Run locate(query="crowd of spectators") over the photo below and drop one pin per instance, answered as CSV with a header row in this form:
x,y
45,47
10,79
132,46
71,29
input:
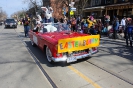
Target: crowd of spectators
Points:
x,y
90,25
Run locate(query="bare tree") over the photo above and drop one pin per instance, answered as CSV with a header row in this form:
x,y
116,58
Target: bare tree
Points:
x,y
57,6
3,15
18,15
80,5
33,4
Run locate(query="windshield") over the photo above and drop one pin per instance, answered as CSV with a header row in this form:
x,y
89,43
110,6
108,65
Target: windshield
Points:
x,y
10,20
52,27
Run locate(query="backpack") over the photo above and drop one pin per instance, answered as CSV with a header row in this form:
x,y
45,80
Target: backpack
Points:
x,y
85,25
105,30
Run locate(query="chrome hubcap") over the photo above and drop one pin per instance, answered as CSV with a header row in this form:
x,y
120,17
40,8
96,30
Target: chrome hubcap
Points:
x,y
48,54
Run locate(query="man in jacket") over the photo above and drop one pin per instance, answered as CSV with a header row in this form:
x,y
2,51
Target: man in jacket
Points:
x,y
115,27
26,23
123,23
129,34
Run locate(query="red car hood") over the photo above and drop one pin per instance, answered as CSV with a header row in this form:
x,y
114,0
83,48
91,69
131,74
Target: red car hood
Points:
x,y
53,37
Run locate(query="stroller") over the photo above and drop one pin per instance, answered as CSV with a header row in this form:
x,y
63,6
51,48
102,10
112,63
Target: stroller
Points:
x,y
119,32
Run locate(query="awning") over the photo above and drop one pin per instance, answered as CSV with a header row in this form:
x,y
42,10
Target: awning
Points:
x,y
119,6
98,8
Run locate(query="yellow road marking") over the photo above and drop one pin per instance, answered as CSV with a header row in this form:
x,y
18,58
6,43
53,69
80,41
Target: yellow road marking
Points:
x,y
84,77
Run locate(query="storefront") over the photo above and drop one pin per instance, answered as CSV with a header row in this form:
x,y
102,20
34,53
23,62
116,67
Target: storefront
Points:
x,y
97,12
119,10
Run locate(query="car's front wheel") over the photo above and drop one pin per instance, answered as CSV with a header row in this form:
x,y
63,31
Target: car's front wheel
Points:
x,y
49,55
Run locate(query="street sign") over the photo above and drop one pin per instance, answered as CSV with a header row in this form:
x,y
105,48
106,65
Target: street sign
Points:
x,y
73,9
64,11
71,13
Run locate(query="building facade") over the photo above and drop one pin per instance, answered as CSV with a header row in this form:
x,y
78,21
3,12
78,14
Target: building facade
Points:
x,y
46,2
114,8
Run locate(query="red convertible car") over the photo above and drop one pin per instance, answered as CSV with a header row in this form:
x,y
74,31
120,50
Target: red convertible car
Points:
x,y
62,45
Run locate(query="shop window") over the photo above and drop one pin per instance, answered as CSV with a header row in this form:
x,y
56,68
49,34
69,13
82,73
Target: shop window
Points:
x,y
120,1
96,2
108,1
124,13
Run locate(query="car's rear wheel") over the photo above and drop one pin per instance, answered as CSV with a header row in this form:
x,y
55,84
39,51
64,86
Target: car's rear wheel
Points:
x,y
49,55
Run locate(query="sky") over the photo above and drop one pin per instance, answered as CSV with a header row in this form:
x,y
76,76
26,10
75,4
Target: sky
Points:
x,y
11,6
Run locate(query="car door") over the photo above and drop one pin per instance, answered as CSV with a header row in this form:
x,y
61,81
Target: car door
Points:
x,y
40,40
34,37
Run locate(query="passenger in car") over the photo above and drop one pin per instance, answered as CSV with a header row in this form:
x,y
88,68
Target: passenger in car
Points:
x,y
38,24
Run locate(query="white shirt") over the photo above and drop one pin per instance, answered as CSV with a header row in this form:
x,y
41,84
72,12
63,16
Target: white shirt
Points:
x,y
123,22
39,17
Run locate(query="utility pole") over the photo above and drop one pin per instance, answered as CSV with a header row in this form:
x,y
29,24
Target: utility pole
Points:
x,y
71,8
68,9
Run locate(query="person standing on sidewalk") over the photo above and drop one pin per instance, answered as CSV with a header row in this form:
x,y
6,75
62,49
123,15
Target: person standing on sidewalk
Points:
x,y
26,23
74,24
123,24
99,23
129,34
115,27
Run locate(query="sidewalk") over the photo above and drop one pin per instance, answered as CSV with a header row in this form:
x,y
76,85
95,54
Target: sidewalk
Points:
x,y
119,35
17,68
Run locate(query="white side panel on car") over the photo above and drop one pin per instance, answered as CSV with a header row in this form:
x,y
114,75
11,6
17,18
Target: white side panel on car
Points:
x,y
35,40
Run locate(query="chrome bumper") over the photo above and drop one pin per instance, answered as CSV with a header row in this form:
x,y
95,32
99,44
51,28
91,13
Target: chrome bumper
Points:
x,y
64,58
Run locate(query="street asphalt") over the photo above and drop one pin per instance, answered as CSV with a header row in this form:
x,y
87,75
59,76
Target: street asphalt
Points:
x,y
17,67
111,67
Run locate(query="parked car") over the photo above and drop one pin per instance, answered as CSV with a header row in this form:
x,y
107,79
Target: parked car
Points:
x,y
11,23
0,23
62,45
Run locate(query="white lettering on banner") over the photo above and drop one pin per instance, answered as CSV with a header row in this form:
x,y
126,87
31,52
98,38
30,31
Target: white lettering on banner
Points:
x,y
35,40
